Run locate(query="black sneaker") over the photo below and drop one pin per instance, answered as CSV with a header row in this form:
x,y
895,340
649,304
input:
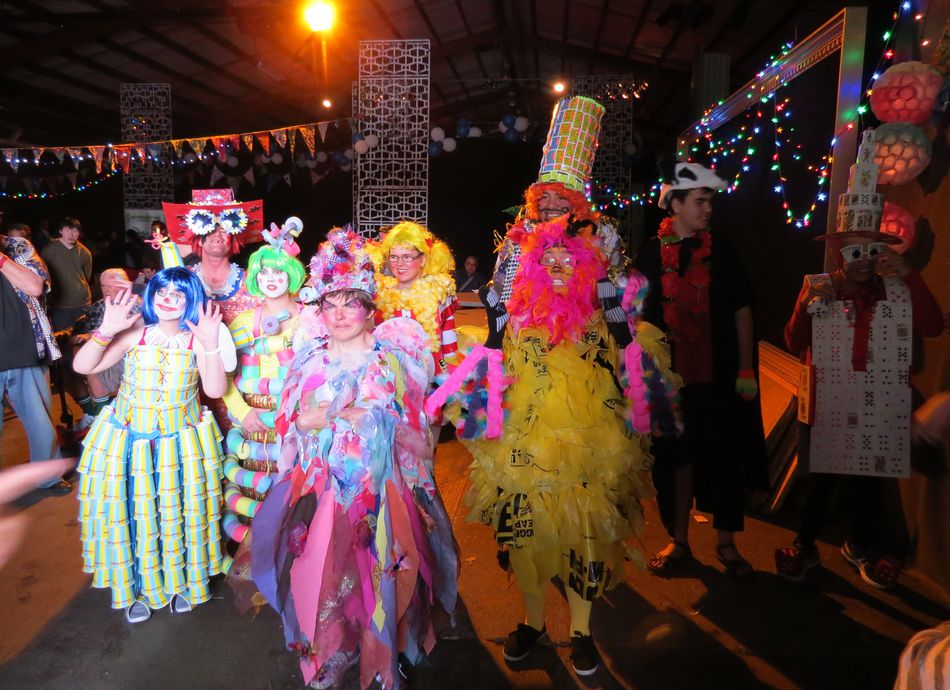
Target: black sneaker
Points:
x,y
584,657
521,641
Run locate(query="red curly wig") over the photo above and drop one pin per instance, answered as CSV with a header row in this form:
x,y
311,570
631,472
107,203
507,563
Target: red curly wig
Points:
x,y
580,206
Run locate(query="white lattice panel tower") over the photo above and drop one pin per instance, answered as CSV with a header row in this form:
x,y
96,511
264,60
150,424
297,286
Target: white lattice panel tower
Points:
x,y
616,129
391,100
146,111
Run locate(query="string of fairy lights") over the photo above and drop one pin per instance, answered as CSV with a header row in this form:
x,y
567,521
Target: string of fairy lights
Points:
x,y
746,143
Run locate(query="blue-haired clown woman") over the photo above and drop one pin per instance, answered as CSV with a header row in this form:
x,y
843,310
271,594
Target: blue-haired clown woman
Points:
x,y
150,486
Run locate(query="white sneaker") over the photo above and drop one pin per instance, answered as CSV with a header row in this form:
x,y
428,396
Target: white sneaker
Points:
x,y
84,423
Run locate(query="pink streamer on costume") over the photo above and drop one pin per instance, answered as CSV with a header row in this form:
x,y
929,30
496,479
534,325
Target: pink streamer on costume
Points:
x,y
632,303
306,576
456,380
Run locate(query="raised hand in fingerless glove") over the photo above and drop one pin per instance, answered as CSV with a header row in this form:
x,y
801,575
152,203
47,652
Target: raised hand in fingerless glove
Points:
x,y
497,316
614,314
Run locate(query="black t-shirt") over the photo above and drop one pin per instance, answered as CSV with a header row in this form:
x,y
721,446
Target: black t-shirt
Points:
x,y
17,345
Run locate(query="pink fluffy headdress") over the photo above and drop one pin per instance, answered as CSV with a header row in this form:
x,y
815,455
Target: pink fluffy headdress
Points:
x,y
534,303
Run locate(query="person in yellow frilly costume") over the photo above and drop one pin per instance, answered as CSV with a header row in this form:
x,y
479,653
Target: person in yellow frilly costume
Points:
x,y
562,483
420,284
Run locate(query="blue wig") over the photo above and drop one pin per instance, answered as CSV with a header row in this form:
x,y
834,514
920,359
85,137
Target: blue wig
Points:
x,y
182,280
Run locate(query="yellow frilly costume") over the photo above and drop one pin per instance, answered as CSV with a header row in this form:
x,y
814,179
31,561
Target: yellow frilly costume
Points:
x,y
562,486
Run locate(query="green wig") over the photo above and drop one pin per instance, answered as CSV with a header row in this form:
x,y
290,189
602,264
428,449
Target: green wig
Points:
x,y
274,259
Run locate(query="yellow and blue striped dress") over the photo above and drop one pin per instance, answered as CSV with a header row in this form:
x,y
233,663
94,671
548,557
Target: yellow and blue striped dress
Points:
x,y
150,484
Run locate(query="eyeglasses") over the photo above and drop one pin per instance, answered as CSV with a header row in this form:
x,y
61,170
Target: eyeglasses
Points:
x,y
563,261
403,258
856,252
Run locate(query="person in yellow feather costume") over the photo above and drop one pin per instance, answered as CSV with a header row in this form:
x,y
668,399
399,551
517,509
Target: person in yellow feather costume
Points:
x,y
562,484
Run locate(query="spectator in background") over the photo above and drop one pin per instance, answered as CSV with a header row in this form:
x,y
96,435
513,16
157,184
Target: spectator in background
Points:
x,y
26,347
103,385
17,230
148,270
134,249
469,279
70,268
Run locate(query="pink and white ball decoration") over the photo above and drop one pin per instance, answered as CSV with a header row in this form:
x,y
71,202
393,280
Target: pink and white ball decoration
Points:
x,y
906,92
897,221
903,151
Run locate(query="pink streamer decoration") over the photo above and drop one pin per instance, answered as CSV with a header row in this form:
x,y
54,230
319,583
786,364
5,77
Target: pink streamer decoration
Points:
x,y
456,380
632,303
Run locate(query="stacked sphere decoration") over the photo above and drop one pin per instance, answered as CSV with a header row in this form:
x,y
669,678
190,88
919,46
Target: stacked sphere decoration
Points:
x,y
906,92
361,146
372,141
898,221
449,144
903,151
435,148
511,135
463,128
474,132
521,124
437,134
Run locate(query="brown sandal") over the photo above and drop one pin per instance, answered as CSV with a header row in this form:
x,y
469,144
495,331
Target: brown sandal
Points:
x,y
664,564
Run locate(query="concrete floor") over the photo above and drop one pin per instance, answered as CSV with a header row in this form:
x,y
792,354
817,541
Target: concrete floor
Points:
x,y
699,630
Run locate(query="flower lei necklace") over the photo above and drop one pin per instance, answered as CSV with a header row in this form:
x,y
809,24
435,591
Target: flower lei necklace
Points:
x,y
682,318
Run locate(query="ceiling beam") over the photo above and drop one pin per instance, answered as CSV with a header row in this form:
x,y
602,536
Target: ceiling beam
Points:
x,y
639,26
486,40
468,32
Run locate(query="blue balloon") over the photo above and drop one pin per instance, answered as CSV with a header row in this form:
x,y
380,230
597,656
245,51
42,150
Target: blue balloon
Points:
x,y
435,148
508,120
357,136
463,127
511,136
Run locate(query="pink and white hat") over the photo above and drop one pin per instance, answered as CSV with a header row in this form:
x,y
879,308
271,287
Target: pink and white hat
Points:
x,y
341,263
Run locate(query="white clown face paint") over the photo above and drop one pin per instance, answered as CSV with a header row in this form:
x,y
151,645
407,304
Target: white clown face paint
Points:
x,y
169,303
272,282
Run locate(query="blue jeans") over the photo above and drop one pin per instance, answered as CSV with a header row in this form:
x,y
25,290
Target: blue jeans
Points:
x,y
28,392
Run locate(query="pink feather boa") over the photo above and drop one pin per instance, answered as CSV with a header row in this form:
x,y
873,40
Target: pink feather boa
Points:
x,y
534,303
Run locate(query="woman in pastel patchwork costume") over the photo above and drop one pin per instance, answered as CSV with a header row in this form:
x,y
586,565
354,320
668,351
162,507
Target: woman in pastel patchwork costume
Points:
x,y
353,547
150,486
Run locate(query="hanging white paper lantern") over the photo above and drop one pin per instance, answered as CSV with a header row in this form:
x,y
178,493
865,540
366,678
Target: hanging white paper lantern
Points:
x,y
437,134
448,144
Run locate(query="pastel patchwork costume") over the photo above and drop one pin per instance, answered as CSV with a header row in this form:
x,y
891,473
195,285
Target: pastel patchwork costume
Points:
x,y
353,547
150,486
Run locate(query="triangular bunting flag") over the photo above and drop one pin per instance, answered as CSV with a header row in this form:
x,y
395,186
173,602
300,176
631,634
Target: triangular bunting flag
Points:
x,y
97,152
292,140
37,154
235,142
75,154
322,129
248,140
140,150
60,153
280,136
307,134
198,145
249,175
216,175
178,145
286,177
123,156
264,139
72,179
12,158
316,177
